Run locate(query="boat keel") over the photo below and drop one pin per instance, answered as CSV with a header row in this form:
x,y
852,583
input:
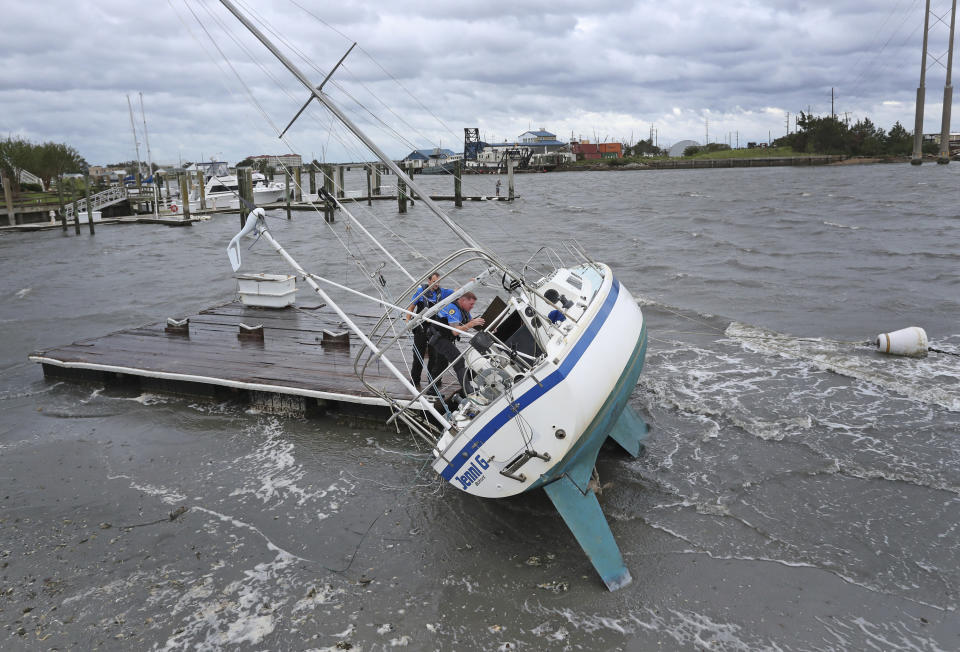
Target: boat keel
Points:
x,y
582,514
629,431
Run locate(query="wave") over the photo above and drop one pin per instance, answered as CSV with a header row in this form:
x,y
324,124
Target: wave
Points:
x,y
842,226
908,377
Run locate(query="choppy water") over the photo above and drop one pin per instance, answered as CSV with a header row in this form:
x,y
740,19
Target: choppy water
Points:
x,y
799,491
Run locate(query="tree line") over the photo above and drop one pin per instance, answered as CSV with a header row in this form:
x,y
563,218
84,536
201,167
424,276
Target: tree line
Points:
x,y
828,135
48,161
816,135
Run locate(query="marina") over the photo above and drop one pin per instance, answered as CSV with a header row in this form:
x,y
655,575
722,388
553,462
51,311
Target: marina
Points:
x,y
777,449
712,407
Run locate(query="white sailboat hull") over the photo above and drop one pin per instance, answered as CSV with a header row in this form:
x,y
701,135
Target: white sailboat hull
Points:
x,y
553,414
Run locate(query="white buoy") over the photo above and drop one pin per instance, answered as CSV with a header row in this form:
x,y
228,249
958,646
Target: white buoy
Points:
x,y
911,341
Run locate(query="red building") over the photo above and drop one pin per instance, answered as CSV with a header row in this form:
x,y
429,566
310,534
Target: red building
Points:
x,y
585,150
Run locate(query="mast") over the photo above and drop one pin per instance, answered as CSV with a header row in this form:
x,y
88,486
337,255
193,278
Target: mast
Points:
x,y
136,143
146,138
324,99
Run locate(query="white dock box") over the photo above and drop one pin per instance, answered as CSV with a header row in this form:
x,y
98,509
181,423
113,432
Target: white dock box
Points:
x,y
267,290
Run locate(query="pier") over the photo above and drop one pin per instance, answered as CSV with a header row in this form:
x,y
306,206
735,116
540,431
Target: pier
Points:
x,y
293,360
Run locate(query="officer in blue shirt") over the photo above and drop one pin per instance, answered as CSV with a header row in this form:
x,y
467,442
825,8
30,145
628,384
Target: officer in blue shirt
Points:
x,y
424,298
457,316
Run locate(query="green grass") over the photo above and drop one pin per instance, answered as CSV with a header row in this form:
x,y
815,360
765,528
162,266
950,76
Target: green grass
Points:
x,y
756,152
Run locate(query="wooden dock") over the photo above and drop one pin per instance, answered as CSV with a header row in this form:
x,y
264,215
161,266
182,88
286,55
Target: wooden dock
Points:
x,y
298,366
164,219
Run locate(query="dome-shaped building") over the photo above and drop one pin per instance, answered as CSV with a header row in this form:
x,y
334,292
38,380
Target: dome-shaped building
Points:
x,y
677,149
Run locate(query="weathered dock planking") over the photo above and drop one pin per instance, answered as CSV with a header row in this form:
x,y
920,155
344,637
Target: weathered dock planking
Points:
x,y
290,369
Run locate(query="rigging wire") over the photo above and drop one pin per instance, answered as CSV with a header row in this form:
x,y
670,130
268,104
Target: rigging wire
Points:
x,y
870,69
386,128
355,251
259,106
377,63
359,260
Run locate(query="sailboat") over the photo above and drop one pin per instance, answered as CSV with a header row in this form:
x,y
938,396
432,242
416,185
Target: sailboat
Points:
x,y
547,380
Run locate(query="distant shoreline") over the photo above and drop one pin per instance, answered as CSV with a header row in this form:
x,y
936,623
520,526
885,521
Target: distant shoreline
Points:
x,y
712,163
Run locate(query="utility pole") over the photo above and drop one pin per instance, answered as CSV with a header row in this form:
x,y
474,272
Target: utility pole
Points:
x,y
833,114
921,90
707,137
944,157
788,120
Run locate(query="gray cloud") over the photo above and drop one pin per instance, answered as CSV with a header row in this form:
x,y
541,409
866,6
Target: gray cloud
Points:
x,y
617,68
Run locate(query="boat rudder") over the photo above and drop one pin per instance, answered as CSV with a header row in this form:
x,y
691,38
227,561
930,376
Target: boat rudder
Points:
x,y
630,431
582,514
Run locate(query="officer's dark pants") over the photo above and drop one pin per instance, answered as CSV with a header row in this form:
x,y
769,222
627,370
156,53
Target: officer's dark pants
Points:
x,y
420,338
446,351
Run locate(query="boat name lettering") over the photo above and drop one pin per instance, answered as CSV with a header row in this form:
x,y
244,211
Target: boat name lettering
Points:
x,y
473,475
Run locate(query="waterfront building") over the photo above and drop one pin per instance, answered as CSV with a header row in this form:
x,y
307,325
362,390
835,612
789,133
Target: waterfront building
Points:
x,y
585,150
531,149
279,162
420,159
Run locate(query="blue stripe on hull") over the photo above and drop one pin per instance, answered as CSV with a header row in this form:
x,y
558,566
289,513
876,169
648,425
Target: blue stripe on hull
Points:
x,y
548,383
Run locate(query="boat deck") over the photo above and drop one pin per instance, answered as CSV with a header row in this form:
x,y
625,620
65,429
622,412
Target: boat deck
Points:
x,y
298,366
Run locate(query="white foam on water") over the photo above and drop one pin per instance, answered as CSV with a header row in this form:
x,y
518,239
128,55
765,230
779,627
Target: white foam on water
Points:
x,y
454,581
246,610
151,399
686,628
715,385
94,394
324,594
852,632
842,226
273,474
168,496
910,377
20,393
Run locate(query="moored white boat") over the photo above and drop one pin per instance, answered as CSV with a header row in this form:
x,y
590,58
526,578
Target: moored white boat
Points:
x,y
223,191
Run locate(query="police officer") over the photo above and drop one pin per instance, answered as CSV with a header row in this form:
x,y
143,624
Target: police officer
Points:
x,y
425,297
457,316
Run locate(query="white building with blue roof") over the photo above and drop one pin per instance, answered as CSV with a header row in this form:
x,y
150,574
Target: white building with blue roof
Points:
x,y
431,157
531,149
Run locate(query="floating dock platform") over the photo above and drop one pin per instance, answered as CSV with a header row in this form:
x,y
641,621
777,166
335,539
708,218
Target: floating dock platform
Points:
x,y
294,360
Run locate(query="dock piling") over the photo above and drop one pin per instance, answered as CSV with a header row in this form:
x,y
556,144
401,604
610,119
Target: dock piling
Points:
x,y
203,190
76,213
8,198
184,195
63,210
369,185
458,184
401,195
328,184
86,195
245,186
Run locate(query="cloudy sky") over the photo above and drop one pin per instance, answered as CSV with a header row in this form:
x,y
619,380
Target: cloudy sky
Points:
x,y
424,70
